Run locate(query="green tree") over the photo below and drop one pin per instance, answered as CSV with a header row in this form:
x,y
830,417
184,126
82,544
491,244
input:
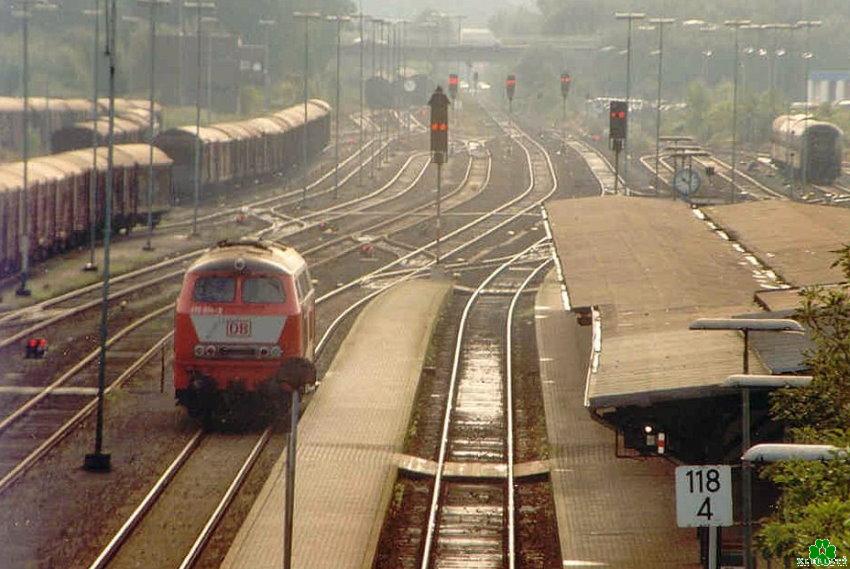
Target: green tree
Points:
x,y
815,501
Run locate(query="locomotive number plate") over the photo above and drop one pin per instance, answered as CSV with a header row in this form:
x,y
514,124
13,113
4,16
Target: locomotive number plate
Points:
x,y
238,328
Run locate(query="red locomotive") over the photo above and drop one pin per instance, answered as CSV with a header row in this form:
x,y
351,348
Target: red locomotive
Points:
x,y
244,331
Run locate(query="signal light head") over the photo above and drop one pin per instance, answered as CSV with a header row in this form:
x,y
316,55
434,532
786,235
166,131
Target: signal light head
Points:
x,y
35,348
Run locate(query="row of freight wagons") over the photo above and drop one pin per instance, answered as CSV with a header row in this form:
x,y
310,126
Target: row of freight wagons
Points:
x,y
59,213
50,116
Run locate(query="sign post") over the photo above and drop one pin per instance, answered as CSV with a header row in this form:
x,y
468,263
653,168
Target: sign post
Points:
x,y
704,499
439,104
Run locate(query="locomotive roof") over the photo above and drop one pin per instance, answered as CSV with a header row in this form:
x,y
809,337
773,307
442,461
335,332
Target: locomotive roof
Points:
x,y
259,256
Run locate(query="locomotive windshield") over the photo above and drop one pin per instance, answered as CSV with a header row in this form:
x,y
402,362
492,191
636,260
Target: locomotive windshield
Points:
x,y
214,289
262,290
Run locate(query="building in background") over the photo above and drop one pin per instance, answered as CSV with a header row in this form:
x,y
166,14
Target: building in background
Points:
x,y
828,87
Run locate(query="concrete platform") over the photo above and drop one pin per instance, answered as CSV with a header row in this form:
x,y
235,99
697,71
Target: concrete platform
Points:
x,y
349,437
651,267
611,512
796,239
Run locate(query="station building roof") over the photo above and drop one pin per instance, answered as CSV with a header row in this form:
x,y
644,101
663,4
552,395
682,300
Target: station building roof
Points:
x,y
795,239
651,267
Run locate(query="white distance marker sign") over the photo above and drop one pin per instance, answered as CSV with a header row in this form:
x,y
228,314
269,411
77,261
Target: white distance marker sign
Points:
x,y
704,496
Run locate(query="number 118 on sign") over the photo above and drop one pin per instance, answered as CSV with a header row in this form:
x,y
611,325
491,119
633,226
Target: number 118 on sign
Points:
x,y
704,495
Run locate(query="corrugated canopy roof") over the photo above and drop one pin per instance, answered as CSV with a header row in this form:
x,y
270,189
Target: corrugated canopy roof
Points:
x,y
652,267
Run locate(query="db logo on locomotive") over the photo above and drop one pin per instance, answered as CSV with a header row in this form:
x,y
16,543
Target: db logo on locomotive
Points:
x,y
238,328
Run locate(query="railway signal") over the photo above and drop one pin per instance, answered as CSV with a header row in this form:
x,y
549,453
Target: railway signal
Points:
x,y
617,131
453,83
510,89
566,83
439,104
35,348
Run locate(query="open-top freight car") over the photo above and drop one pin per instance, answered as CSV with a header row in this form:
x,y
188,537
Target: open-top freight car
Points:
x,y
251,150
58,212
49,115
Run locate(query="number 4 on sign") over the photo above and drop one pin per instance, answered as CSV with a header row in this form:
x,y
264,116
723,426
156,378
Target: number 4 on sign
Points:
x,y
704,495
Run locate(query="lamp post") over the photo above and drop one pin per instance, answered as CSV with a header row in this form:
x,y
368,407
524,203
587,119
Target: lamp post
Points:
x,y
736,25
630,17
660,22
378,66
98,461
746,325
385,73
340,20
24,12
460,19
95,14
199,7
267,26
807,56
153,5
373,35
209,73
404,76
306,16
361,17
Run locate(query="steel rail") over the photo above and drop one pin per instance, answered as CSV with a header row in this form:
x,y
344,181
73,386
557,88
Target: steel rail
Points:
x,y
431,526
76,368
403,215
522,195
509,379
224,503
30,459
226,500
67,427
85,306
127,276
108,553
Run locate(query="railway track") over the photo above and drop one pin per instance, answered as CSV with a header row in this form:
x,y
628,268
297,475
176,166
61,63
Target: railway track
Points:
x,y
472,522
23,322
517,208
42,415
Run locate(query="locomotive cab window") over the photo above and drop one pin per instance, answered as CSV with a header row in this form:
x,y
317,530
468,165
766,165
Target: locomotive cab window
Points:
x,y
262,290
214,289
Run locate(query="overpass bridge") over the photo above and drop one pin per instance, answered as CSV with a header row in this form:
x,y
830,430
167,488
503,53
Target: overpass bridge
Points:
x,y
502,50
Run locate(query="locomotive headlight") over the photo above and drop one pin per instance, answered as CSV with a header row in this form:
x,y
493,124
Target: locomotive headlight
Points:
x,y
275,352
209,351
199,351
264,352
